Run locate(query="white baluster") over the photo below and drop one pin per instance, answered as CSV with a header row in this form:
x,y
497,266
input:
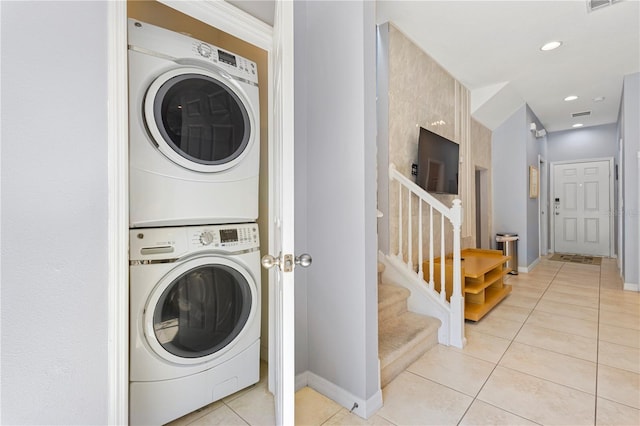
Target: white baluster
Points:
x,y
443,287
400,256
431,283
420,232
410,232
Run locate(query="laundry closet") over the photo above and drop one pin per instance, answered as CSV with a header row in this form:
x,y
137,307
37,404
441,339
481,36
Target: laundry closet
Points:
x,y
197,210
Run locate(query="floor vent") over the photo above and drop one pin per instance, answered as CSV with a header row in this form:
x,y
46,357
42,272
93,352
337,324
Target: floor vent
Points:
x,y
599,4
580,114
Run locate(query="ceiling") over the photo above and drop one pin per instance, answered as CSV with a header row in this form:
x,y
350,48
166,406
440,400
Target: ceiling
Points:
x,y
493,48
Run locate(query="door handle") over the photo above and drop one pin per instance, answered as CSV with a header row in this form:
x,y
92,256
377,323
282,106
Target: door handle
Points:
x,y
304,260
286,262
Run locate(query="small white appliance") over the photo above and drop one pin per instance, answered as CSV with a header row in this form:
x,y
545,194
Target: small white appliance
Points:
x,y
194,317
194,131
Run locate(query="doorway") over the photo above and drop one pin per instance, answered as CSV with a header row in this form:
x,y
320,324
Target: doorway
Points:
x,y
237,25
581,194
483,234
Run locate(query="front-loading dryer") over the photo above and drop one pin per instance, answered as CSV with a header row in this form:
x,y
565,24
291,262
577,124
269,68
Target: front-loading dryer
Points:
x,y
194,317
194,131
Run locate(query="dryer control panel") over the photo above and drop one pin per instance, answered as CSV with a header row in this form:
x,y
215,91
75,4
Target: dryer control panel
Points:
x,y
175,46
148,244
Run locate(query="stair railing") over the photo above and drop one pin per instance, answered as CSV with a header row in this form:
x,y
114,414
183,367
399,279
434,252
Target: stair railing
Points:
x,y
410,224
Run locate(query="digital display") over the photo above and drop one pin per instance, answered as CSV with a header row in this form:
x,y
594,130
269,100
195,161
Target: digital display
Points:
x,y
228,235
227,58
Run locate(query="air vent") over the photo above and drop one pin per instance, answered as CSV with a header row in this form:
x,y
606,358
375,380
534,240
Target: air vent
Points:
x,y
599,4
580,114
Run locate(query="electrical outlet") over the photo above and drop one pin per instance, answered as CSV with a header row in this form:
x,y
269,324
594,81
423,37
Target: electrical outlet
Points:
x,y
414,170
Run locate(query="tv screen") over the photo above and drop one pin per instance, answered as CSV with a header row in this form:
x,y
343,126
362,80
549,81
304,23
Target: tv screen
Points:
x,y
438,163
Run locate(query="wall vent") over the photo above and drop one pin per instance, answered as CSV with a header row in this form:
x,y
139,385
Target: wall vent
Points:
x,y
580,114
599,4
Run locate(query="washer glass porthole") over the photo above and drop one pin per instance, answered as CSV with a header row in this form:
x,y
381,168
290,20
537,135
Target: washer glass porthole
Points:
x,y
201,119
202,311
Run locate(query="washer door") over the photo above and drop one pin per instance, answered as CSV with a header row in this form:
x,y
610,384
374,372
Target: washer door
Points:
x,y
199,119
199,310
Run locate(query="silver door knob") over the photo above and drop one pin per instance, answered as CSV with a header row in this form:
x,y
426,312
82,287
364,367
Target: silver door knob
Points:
x,y
285,262
304,260
269,261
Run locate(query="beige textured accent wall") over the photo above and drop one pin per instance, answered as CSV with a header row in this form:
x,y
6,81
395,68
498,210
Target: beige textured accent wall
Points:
x,y
423,94
480,157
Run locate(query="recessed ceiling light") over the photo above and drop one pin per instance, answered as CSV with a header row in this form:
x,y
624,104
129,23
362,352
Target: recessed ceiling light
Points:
x,y
598,99
551,45
578,125
571,98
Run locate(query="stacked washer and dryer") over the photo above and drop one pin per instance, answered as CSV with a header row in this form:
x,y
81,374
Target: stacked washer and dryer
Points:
x,y
194,148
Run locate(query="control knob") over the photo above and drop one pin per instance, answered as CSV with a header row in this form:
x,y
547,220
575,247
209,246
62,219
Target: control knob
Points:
x,y
206,238
205,50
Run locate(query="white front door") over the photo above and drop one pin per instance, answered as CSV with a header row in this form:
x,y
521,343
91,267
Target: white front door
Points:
x,y
281,186
581,208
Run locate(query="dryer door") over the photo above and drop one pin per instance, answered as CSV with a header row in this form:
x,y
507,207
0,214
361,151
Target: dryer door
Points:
x,y
199,119
199,310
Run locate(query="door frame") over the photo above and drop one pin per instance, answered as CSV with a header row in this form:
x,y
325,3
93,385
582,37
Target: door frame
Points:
x,y
611,197
223,16
543,206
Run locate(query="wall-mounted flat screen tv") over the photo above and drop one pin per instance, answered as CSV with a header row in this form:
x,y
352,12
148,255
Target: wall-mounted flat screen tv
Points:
x,y
438,163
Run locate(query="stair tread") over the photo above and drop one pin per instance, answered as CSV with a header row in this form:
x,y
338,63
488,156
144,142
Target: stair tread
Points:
x,y
408,330
388,294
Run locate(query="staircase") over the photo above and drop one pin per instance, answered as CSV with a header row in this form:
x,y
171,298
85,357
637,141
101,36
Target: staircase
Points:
x,y
403,336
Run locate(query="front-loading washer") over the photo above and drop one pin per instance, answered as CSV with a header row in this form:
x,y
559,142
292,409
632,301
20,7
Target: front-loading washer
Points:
x,y
194,131
194,317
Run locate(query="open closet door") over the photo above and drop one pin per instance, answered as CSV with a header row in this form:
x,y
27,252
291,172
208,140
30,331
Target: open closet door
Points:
x,y
281,291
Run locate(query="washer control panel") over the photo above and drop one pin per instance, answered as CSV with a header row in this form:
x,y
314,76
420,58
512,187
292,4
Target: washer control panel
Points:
x,y
148,244
227,236
241,66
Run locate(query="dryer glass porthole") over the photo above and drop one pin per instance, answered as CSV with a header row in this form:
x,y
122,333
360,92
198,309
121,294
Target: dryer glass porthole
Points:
x,y
202,311
201,119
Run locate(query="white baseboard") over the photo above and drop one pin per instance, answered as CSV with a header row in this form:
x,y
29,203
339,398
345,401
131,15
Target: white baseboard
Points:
x,y
301,380
527,269
364,409
632,287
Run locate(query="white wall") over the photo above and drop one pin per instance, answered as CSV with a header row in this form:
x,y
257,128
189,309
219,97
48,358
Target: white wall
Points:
x,y
583,143
534,147
301,189
510,176
587,143
336,41
630,133
54,213
514,148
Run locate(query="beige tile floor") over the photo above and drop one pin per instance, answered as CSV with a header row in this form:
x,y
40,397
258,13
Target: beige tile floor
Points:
x,y
562,349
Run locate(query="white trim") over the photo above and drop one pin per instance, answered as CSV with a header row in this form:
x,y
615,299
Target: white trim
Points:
x,y
228,18
364,409
620,206
527,269
118,216
302,380
631,287
542,180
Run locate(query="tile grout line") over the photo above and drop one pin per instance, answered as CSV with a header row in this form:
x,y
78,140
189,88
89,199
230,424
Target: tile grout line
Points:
x,y
507,349
595,402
